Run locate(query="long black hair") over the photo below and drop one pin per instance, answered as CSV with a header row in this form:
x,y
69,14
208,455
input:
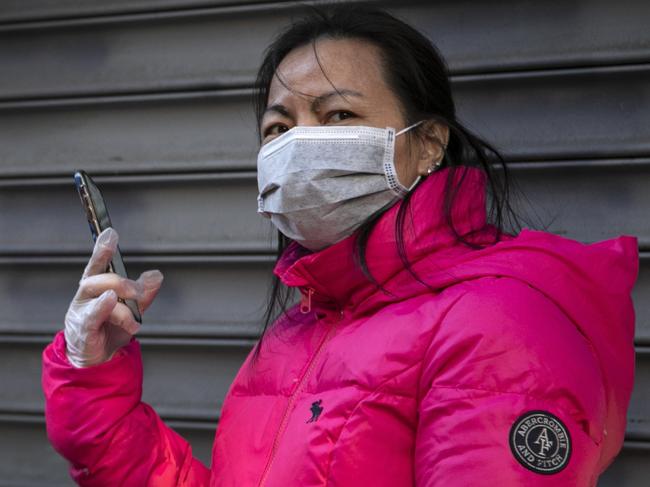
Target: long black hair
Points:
x,y
418,74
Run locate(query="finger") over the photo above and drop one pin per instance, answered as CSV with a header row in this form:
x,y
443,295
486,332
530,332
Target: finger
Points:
x,y
122,317
151,282
93,286
102,308
103,251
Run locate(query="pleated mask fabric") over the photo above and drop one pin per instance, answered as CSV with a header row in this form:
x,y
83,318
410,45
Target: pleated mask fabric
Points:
x,y
318,184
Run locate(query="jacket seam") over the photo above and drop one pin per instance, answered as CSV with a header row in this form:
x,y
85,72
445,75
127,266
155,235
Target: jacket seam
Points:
x,y
482,389
368,390
430,341
305,374
590,345
459,387
343,426
495,391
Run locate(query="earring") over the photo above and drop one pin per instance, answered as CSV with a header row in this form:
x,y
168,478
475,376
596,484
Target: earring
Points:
x,y
435,167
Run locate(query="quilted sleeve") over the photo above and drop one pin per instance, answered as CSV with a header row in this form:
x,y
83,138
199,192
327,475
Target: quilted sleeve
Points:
x,y
96,420
510,394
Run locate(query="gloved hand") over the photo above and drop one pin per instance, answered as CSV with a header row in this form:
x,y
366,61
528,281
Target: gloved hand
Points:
x,y
96,323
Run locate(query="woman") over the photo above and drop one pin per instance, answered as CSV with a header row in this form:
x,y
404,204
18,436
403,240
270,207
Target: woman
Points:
x,y
430,347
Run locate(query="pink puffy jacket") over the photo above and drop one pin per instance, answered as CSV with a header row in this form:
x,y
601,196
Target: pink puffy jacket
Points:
x,y
515,370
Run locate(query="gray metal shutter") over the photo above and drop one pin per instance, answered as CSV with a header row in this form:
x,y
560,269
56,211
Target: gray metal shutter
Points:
x,y
152,96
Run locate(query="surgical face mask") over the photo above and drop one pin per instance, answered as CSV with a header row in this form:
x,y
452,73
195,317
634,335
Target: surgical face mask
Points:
x,y
318,184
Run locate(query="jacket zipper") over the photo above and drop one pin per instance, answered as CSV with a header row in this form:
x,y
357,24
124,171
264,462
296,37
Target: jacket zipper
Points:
x,y
293,397
305,302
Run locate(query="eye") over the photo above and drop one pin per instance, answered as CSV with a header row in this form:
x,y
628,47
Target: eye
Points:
x,y
339,116
274,130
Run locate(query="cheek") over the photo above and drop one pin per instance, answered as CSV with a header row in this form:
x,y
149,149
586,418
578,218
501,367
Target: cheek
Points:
x,y
405,161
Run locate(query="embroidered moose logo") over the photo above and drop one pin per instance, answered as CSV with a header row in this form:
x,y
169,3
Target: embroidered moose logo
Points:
x,y
316,409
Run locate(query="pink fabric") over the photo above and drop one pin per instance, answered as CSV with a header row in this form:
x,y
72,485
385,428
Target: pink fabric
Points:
x,y
418,386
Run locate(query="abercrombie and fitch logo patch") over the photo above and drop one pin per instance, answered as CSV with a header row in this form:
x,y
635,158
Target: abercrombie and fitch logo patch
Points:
x,y
540,442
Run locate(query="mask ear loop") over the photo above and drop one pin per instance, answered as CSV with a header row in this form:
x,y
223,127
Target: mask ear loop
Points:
x,y
404,130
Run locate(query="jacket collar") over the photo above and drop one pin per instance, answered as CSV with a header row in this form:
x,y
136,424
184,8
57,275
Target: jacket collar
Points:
x,y
330,279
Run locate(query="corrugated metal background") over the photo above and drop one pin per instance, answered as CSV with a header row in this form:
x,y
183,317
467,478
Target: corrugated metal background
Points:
x,y
152,96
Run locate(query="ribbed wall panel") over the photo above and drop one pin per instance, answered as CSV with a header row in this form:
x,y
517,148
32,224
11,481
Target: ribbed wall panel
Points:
x,y
153,97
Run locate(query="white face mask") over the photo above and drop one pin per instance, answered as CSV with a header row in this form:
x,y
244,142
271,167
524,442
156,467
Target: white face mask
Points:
x,y
318,184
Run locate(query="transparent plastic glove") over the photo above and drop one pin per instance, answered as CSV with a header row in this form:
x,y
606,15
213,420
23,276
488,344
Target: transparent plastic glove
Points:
x,y
96,323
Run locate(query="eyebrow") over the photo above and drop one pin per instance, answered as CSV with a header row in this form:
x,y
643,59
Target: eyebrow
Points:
x,y
282,110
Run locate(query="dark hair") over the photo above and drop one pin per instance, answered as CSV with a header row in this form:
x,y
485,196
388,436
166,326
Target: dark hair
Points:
x,y
418,74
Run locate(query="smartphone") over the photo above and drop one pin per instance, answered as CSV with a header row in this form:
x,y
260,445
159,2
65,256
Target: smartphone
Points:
x,y
98,220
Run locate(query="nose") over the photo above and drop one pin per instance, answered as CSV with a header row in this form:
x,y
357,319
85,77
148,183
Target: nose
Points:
x,y
307,119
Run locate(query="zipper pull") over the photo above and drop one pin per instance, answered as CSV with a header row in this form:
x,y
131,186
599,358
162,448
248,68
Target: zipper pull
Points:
x,y
305,302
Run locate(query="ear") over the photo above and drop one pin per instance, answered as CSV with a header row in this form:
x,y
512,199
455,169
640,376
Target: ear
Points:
x,y
434,142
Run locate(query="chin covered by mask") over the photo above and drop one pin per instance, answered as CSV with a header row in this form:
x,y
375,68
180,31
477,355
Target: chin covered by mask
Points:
x,y
318,184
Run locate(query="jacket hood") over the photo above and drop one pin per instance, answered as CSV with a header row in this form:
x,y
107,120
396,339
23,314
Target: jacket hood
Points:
x,y
591,283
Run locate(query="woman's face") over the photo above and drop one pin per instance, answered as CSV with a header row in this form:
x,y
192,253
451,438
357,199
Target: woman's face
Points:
x,y
354,68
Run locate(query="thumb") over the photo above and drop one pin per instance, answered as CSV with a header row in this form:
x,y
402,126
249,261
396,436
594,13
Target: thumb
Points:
x,y
151,282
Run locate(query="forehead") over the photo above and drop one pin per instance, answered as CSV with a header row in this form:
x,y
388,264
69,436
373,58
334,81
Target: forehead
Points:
x,y
347,63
